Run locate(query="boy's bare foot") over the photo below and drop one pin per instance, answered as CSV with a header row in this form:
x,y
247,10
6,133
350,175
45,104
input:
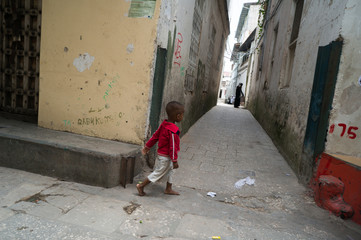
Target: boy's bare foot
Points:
x,y
140,190
171,192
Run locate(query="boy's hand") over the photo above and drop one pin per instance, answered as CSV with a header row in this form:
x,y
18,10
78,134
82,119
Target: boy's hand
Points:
x,y
145,151
175,165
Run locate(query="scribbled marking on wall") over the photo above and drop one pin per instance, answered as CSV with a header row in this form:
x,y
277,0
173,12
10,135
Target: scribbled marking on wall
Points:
x,y
110,86
90,121
182,71
83,62
91,110
99,120
67,123
177,52
351,130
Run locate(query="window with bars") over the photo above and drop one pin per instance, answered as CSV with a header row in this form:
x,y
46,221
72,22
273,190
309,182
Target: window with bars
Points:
x,y
194,48
285,78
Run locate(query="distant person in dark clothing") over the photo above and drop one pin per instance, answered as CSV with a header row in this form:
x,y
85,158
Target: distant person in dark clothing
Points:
x,y
239,94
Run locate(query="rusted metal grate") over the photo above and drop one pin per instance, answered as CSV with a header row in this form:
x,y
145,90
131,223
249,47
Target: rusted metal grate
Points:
x,y
20,24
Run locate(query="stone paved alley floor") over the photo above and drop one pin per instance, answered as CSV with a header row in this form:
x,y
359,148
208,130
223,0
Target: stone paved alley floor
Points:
x,y
224,146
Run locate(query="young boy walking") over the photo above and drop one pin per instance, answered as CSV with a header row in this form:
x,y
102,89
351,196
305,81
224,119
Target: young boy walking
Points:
x,y
167,136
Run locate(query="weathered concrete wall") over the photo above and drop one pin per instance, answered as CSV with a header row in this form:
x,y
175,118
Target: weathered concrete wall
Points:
x,y
193,83
253,64
281,106
242,78
346,113
96,68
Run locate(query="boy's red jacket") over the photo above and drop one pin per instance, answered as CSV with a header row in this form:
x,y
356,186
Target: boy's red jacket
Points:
x,y
167,136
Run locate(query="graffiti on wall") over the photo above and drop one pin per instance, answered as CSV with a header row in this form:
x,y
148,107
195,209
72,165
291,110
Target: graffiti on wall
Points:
x,y
91,110
95,120
110,86
351,130
177,52
91,121
99,120
182,71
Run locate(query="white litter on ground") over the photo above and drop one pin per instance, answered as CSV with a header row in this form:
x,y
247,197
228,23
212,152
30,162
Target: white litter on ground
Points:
x,y
211,194
244,181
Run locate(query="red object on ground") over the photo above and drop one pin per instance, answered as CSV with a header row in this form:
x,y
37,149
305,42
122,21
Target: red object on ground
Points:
x,y
328,195
329,174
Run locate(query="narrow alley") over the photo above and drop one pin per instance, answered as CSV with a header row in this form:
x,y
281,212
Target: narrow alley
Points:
x,y
223,147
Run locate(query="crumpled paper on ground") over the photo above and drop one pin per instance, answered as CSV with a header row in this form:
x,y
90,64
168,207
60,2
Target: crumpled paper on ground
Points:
x,y
211,194
244,181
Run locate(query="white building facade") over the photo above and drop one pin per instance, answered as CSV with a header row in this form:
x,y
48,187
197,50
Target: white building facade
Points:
x,y
245,35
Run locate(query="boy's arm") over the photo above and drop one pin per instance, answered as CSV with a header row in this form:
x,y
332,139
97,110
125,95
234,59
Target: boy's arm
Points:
x,y
174,146
151,141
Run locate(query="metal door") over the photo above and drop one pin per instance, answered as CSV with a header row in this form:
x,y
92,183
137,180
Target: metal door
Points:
x,y
20,22
157,97
324,83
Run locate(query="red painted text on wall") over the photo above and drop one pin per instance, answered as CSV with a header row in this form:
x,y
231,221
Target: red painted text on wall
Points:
x,y
177,52
351,130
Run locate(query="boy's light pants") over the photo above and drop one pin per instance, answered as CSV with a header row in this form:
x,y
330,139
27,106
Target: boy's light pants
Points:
x,y
163,168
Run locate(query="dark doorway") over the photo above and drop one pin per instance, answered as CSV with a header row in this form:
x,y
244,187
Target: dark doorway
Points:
x,y
328,59
20,23
157,96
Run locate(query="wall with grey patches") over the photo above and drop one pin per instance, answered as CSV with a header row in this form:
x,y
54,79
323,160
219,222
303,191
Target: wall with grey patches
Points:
x,y
344,135
280,90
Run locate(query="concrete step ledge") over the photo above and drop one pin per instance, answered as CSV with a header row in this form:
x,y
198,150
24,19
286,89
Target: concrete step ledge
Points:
x,y
63,155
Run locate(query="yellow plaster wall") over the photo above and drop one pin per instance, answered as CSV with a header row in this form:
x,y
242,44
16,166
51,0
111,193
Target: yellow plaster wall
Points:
x,y
110,99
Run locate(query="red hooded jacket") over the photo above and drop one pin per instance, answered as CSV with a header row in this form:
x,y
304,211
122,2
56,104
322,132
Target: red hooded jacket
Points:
x,y
167,136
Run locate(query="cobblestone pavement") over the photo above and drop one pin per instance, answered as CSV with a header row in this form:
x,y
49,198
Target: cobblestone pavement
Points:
x,y
226,145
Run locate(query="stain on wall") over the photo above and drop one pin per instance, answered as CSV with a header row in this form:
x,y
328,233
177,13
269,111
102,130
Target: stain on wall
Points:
x,y
83,62
348,95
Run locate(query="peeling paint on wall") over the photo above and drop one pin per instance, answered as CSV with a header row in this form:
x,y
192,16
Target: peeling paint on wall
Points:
x,y
130,48
84,61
